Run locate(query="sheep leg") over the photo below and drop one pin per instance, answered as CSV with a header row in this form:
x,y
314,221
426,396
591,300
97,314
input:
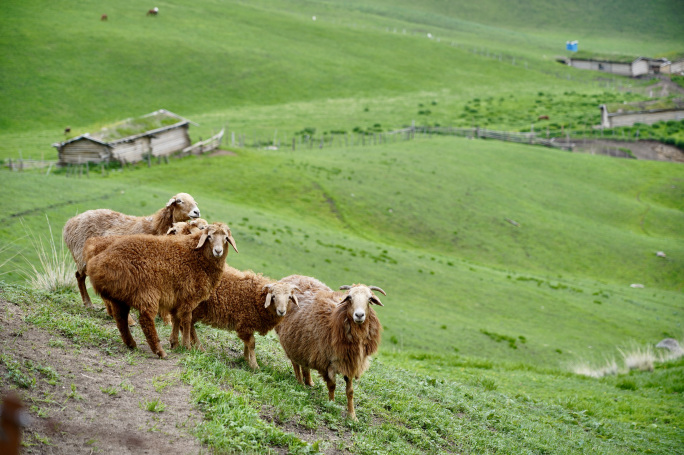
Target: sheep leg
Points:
x,y
110,311
297,372
250,355
193,337
146,320
330,382
80,280
175,328
119,312
187,327
306,376
351,413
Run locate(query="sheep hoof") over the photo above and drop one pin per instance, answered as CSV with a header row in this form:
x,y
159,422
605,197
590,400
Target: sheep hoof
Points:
x,y
162,355
352,417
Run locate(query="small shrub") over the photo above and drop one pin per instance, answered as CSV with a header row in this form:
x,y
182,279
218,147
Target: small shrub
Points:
x,y
626,384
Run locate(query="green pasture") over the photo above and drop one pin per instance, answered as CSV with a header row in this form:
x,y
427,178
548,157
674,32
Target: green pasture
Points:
x,y
266,69
432,222
480,407
504,264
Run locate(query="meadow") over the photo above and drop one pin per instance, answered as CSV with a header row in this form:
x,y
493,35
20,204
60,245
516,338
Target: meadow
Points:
x,y
506,265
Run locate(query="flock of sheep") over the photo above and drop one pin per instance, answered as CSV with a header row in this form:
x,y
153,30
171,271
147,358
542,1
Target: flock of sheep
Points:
x,y
173,264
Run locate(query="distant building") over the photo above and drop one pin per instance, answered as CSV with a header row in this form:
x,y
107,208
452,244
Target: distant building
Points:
x,y
624,67
673,67
647,113
160,133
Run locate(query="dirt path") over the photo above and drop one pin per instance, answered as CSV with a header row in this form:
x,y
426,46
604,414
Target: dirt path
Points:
x,y
95,403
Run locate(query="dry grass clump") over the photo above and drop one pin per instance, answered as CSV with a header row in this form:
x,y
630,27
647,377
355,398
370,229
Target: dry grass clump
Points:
x,y
585,369
642,358
55,271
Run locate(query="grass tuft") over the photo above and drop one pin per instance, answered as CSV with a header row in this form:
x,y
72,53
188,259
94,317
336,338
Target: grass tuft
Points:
x,y
585,369
55,271
639,358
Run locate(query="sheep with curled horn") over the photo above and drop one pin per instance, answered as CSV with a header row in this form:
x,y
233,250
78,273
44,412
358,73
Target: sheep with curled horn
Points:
x,y
332,333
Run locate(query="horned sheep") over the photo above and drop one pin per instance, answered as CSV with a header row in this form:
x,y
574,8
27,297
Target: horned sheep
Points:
x,y
149,273
247,303
333,333
104,222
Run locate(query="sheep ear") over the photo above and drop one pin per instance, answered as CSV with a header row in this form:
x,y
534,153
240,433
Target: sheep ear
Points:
x,y
267,287
202,240
231,240
376,300
172,201
347,298
294,299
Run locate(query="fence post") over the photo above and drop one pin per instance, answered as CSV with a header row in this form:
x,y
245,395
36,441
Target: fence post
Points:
x,y
10,165
294,141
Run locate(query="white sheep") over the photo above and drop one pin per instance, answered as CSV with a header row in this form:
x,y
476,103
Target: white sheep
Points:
x,y
333,333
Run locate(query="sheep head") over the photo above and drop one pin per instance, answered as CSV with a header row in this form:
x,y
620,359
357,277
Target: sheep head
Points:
x,y
183,207
358,300
280,294
217,235
187,227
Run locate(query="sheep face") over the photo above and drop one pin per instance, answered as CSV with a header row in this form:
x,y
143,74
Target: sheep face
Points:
x,y
184,207
217,236
187,227
280,295
358,299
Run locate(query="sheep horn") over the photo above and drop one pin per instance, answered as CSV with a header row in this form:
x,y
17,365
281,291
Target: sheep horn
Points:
x,y
345,287
375,288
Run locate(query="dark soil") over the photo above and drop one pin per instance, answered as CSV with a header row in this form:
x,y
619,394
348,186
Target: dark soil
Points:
x,y
98,403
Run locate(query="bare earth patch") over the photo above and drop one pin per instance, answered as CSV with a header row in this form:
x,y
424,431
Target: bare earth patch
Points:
x,y
641,150
99,402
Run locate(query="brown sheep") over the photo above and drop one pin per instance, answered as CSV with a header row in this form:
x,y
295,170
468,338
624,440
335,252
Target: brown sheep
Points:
x,y
245,302
187,227
308,286
332,333
104,222
149,273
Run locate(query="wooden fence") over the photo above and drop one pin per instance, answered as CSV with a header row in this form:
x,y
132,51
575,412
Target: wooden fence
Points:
x,y
208,145
363,139
21,164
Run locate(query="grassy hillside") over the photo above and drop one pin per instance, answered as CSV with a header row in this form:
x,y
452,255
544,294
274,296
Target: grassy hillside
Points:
x,y
505,265
429,220
210,60
482,408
